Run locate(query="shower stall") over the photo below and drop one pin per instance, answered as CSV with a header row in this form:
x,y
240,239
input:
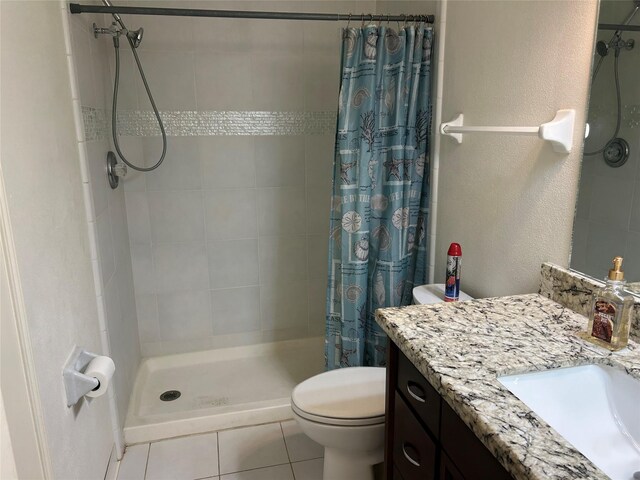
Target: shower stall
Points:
x,y
610,177
228,128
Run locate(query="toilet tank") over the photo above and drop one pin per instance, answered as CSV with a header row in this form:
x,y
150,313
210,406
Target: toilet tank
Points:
x,y
433,293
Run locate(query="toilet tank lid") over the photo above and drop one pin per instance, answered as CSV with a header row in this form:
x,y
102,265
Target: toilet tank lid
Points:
x,y
348,393
433,293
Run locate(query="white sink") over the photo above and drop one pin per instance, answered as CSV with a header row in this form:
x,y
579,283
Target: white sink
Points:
x,y
595,408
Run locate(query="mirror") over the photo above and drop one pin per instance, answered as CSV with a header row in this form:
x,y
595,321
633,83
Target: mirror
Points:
x,y
607,221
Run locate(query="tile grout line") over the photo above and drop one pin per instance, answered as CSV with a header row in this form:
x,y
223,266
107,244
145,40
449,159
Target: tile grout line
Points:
x,y
218,450
255,468
284,439
146,465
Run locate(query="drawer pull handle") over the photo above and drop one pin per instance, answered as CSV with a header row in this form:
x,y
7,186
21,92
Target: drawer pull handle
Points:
x,y
406,446
416,392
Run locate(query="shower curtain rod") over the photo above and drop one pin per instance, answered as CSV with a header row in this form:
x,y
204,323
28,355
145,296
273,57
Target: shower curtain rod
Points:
x,y
619,26
194,12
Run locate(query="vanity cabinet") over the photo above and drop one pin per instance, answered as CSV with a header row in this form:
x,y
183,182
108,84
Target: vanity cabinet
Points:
x,y
424,438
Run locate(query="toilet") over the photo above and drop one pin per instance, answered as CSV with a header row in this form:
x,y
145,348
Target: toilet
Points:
x,y
344,410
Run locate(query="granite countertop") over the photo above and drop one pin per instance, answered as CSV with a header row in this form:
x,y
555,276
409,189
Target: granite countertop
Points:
x,y
461,348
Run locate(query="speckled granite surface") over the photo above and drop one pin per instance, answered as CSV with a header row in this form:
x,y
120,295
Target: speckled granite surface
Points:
x,y
574,290
461,348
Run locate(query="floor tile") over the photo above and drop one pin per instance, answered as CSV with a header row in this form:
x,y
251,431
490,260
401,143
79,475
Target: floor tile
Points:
x,y
280,472
134,463
185,458
299,446
251,447
308,470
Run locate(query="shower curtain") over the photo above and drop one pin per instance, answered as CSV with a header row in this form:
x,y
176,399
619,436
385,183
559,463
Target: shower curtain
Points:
x,y
379,212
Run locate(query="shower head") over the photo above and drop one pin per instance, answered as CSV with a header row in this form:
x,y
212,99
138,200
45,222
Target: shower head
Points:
x,y
135,37
602,48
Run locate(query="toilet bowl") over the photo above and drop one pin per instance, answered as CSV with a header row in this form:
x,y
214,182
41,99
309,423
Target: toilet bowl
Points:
x,y
343,410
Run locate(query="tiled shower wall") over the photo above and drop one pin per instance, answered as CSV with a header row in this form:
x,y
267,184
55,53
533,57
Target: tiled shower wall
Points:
x,y
608,212
106,212
229,236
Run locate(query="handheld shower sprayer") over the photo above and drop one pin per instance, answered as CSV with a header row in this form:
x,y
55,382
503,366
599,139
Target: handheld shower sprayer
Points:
x,y
134,38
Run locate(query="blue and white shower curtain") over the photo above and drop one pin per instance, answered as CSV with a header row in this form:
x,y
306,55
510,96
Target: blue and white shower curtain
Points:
x,y
379,212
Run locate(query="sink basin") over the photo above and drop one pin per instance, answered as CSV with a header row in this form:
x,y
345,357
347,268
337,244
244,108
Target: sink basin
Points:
x,y
595,408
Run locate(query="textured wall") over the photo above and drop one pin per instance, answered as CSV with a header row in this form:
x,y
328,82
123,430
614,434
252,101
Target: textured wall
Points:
x,y
228,236
510,200
41,172
608,214
106,214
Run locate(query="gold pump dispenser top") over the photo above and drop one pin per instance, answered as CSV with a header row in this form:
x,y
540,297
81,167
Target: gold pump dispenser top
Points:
x,y
616,272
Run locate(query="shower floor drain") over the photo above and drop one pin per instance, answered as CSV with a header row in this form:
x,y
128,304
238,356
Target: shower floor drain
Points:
x,y
170,395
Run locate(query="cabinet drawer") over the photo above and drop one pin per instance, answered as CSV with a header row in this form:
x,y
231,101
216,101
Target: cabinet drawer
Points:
x,y
419,393
466,451
414,452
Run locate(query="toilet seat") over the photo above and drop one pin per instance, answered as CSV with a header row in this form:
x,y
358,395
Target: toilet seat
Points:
x,y
338,422
353,396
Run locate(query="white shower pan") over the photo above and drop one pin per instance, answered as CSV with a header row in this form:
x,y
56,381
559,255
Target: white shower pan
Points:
x,y
224,388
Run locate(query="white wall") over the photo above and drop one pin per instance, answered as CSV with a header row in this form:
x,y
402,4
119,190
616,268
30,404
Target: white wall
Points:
x,y
509,201
229,235
105,212
608,214
40,168
8,470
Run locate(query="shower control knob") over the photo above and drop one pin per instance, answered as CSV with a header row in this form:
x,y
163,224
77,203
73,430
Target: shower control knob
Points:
x,y
115,170
120,170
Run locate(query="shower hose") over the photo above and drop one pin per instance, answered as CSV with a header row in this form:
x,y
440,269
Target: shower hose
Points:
x,y
114,109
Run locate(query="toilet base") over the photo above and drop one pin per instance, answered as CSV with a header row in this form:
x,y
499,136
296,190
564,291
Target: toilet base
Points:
x,y
342,464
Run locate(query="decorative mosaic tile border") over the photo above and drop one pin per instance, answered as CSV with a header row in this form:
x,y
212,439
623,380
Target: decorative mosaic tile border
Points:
x,y
631,115
210,123
574,290
95,123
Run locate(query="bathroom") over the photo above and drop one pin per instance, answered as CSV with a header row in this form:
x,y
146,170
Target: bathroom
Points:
x,y
208,275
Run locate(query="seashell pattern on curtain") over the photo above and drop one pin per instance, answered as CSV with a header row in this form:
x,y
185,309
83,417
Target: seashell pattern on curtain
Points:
x,y
380,206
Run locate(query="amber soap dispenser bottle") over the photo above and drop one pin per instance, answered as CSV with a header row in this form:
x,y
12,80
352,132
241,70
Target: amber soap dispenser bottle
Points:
x,y
610,315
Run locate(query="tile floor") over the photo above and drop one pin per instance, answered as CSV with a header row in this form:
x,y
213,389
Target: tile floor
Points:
x,y
275,451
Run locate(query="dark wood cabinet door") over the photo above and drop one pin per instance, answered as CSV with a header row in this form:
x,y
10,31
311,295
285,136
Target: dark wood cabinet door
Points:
x,y
448,470
467,452
396,474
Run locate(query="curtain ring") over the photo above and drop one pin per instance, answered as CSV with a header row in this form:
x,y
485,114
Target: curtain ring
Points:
x,y
362,18
388,20
371,19
349,20
404,20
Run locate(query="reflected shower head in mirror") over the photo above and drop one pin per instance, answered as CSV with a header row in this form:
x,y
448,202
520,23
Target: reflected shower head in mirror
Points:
x,y
602,48
613,144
